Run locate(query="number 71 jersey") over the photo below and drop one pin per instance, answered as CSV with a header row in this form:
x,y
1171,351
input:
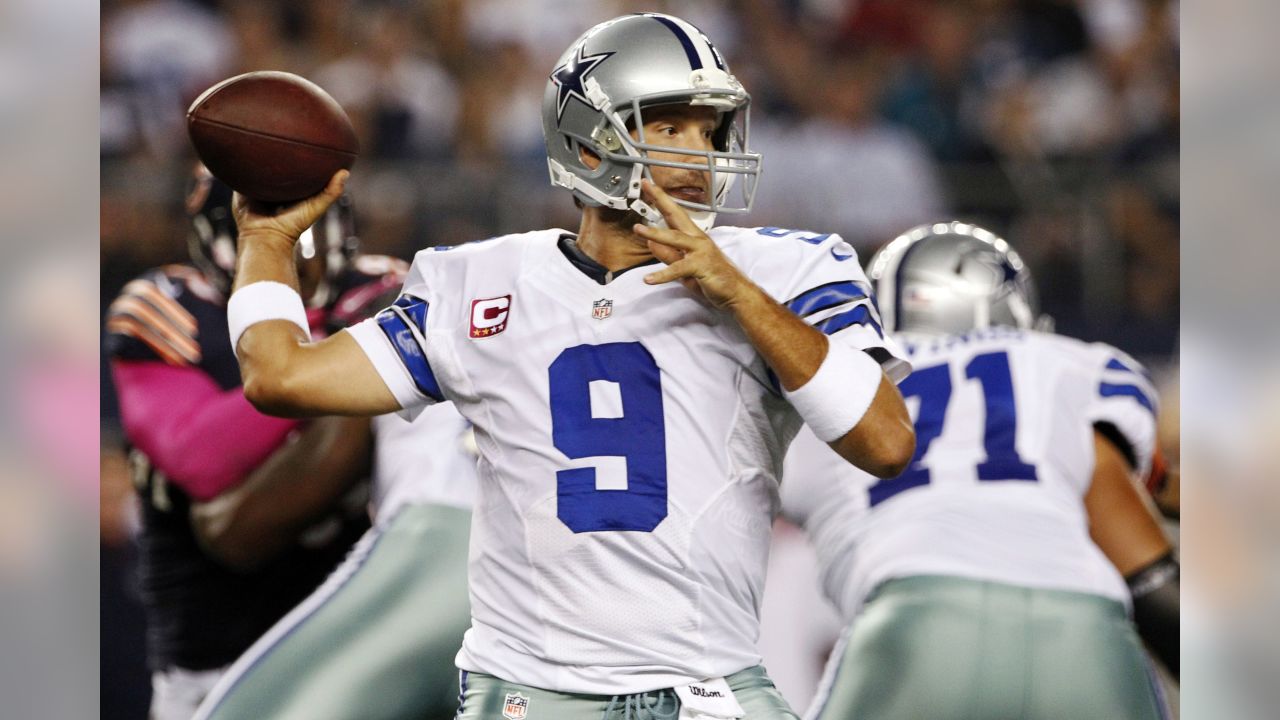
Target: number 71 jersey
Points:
x,y
630,441
1005,423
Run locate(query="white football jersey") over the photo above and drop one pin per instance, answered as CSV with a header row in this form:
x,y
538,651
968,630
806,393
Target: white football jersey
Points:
x,y
1004,455
430,460
630,441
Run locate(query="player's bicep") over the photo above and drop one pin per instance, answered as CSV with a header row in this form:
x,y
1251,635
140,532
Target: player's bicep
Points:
x,y
394,342
1122,520
336,377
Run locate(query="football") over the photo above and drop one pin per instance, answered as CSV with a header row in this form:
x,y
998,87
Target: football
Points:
x,y
272,136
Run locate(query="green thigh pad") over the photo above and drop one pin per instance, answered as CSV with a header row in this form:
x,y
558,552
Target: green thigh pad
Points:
x,y
376,641
956,649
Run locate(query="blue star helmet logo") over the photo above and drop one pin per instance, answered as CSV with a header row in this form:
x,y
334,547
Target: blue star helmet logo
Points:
x,y
570,76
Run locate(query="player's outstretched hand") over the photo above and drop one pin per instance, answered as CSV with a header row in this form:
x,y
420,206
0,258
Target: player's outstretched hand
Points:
x,y
690,255
290,221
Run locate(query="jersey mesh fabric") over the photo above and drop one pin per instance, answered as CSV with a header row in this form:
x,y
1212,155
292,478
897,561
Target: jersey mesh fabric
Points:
x,y
616,548
1023,527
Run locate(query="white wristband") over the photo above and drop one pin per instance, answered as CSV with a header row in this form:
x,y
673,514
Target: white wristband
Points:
x,y
261,301
839,393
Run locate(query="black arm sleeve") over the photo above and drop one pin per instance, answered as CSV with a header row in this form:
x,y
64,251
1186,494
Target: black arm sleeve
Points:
x,y
1155,590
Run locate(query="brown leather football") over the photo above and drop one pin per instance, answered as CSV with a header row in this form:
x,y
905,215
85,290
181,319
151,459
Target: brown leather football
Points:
x,y
272,136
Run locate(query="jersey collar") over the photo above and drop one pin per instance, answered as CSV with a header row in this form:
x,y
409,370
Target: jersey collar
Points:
x,y
568,245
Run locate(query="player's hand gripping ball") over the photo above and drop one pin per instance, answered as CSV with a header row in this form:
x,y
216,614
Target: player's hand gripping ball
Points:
x,y
272,136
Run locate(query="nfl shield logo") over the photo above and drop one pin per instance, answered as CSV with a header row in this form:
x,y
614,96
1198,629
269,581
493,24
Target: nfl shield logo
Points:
x,y
601,309
515,707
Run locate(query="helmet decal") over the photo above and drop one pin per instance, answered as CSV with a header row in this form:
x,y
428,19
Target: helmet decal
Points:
x,y
570,76
951,278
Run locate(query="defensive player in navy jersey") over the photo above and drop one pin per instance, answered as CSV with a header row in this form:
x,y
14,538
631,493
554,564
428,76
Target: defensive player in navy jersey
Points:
x,y
632,386
994,577
242,514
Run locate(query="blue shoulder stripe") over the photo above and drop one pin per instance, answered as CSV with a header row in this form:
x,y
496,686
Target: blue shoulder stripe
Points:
x,y
1107,389
1116,364
411,353
860,315
826,296
416,308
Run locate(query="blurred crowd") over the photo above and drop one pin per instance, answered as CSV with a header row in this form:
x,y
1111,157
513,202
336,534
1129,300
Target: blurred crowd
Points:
x,y
1055,122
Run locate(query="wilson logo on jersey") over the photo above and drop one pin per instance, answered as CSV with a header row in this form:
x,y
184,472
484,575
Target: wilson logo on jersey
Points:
x,y
489,316
601,309
516,707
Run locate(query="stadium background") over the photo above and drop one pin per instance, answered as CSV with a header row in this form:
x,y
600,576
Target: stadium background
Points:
x,y
1052,122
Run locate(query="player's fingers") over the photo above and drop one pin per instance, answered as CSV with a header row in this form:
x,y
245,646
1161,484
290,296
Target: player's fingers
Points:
x,y
665,253
675,215
666,236
317,204
675,271
337,184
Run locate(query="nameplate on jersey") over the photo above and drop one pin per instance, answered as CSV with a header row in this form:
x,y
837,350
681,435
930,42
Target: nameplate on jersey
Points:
x,y
489,316
708,700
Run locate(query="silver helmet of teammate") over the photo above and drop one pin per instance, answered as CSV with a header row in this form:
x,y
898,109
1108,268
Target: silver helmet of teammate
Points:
x,y
598,93
949,278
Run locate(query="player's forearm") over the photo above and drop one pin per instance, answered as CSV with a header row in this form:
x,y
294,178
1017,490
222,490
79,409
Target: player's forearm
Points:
x,y
882,441
265,256
179,418
792,348
294,488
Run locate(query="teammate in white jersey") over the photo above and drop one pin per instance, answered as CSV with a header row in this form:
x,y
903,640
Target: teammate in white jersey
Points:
x,y
376,641
971,582
633,388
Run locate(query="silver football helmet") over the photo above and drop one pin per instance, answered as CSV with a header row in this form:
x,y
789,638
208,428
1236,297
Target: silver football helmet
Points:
x,y
949,278
598,92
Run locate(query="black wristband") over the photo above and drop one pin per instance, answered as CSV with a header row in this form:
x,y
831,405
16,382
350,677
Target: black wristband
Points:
x,y
1155,589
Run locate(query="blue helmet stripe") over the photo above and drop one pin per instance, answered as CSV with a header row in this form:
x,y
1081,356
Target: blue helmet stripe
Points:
x,y
695,62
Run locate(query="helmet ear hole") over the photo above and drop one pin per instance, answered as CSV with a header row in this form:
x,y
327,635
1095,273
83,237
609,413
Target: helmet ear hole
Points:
x,y
588,157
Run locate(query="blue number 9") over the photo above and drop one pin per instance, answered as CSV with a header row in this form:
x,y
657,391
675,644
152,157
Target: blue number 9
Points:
x,y
638,435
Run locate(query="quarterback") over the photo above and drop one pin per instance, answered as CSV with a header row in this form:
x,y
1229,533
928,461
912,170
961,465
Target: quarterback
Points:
x,y
633,387
993,569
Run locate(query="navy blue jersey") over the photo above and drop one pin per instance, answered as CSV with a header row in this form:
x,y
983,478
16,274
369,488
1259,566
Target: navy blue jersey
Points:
x,y
200,614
